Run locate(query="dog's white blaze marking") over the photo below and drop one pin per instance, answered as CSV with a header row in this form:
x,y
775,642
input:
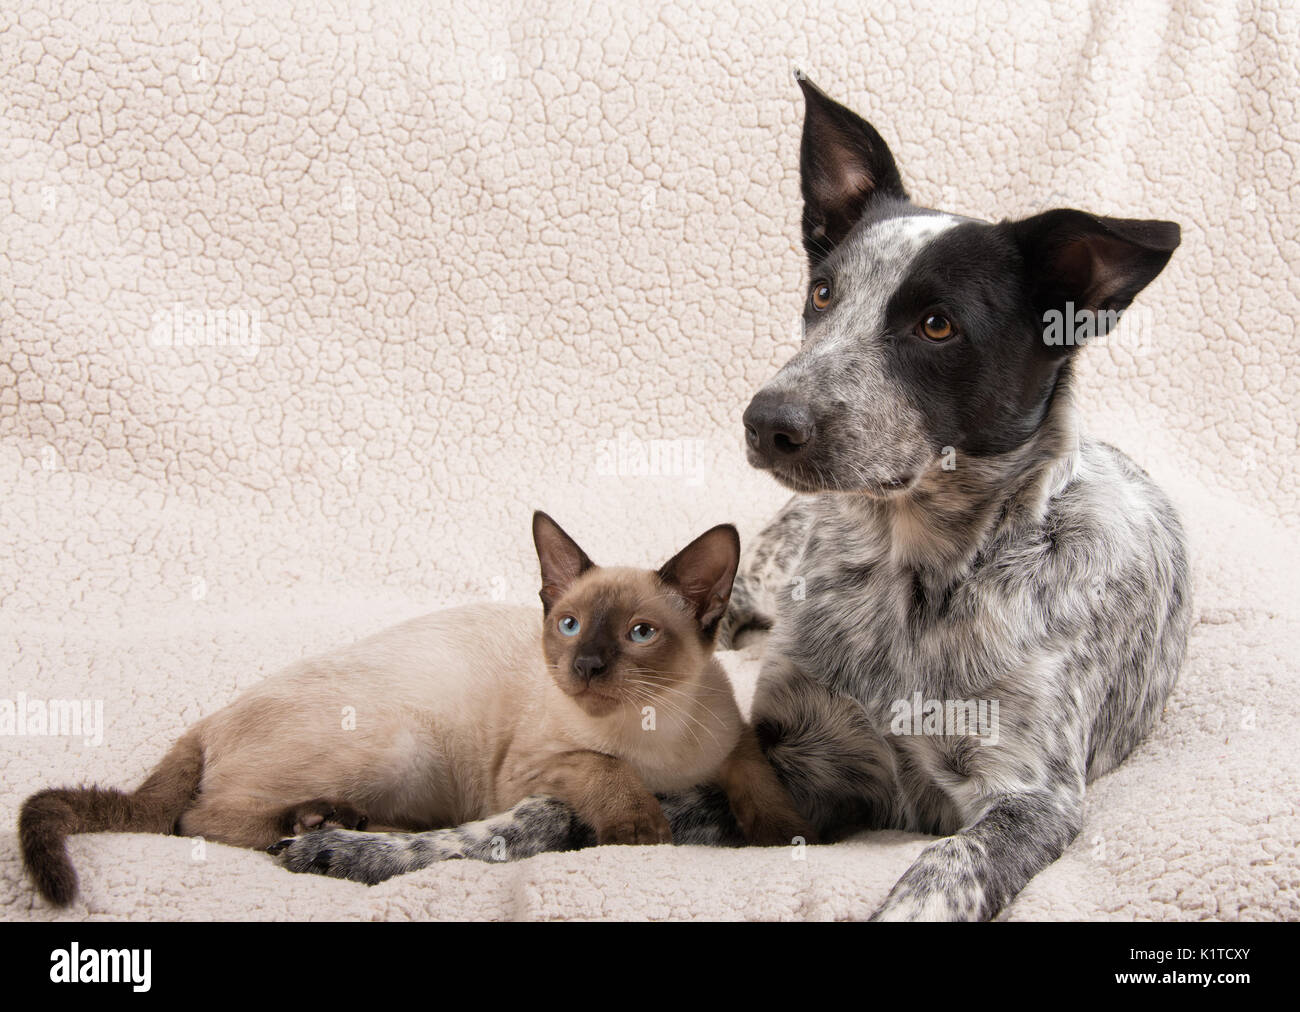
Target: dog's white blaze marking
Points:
x,y
915,227
876,263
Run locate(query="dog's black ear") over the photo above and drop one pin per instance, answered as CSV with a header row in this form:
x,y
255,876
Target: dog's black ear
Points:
x,y
1097,265
561,559
843,165
703,573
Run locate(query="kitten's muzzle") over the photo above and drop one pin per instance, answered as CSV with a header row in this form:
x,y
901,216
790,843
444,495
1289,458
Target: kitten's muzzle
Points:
x,y
591,666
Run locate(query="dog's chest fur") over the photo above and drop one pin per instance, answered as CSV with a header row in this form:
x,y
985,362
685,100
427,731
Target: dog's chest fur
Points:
x,y
1038,600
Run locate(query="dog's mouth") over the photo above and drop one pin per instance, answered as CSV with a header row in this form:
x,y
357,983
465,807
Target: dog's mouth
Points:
x,y
890,487
809,479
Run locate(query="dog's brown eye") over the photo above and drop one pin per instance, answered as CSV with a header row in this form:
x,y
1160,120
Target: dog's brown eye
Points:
x,y
821,295
937,327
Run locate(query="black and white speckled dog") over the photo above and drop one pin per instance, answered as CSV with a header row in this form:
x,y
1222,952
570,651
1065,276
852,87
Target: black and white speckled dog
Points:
x,y
957,543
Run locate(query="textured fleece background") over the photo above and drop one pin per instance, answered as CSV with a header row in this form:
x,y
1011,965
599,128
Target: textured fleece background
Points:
x,y
488,245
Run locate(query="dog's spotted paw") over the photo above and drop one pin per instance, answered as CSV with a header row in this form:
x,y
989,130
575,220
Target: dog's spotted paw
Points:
x,y
320,852
943,884
365,857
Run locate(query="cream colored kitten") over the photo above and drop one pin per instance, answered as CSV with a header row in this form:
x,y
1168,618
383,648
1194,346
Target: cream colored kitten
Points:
x,y
459,715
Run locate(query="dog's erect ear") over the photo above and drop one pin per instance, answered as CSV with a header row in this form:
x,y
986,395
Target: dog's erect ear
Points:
x,y
703,572
561,558
1096,264
843,165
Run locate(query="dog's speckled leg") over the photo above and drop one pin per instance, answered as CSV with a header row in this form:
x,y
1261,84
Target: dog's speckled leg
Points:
x,y
533,826
974,874
536,825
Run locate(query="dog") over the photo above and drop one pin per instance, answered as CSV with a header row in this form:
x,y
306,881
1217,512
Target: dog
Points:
x,y
957,548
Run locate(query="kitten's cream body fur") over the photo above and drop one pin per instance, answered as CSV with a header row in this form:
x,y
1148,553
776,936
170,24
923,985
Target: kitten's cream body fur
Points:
x,y
438,721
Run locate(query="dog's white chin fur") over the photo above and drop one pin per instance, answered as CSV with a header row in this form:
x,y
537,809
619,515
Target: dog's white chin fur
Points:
x,y
875,490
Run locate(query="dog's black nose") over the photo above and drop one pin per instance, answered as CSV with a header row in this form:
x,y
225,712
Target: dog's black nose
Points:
x,y
778,428
589,666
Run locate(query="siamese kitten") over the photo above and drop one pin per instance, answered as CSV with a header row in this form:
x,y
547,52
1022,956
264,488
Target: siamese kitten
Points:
x,y
461,714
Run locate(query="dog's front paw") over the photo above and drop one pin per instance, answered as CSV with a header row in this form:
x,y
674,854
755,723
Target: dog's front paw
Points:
x,y
312,851
366,857
339,853
941,885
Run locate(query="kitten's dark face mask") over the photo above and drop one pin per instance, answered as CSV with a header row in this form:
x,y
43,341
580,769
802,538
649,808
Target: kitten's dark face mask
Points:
x,y
631,637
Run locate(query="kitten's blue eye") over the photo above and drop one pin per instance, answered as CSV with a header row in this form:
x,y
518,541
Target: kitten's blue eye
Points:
x,y
570,625
642,632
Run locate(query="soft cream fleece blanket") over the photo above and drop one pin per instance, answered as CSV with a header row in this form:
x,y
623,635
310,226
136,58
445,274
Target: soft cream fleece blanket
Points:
x,y
470,262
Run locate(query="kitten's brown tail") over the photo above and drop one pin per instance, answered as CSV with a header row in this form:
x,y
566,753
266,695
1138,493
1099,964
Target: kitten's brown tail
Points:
x,y
48,818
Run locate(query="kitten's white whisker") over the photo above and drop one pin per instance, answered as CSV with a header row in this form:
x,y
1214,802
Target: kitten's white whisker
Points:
x,y
674,706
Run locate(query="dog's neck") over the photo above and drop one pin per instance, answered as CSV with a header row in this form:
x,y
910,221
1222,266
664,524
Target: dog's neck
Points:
x,y
940,527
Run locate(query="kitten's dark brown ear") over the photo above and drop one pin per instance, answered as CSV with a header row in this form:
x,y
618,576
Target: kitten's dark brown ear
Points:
x,y
703,572
561,559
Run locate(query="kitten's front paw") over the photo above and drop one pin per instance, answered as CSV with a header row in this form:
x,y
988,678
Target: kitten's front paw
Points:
x,y
318,814
779,829
644,823
777,825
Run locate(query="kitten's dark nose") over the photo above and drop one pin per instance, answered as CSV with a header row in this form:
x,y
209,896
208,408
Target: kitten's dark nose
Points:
x,y
778,428
589,666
